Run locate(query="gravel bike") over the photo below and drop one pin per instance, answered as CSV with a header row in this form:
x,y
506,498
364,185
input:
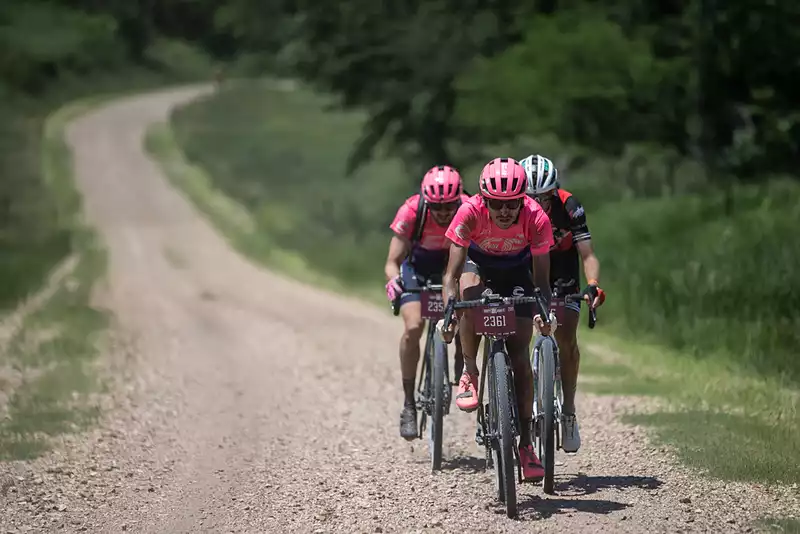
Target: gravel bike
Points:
x,y
434,389
546,426
498,421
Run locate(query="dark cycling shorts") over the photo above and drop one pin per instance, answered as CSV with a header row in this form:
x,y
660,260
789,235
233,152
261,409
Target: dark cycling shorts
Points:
x,y
414,279
564,266
514,281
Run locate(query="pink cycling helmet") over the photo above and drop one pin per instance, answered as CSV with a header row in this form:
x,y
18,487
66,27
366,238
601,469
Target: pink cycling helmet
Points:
x,y
503,179
441,184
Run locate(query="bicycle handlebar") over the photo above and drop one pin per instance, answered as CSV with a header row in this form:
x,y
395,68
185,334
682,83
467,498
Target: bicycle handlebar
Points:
x,y
428,287
536,299
579,297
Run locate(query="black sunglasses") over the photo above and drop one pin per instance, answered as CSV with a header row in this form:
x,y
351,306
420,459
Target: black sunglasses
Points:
x,y
497,205
444,206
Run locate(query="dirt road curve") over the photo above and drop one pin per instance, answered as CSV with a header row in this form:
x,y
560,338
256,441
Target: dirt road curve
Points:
x,y
257,404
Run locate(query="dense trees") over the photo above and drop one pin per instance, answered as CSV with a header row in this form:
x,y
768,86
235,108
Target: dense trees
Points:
x,y
706,79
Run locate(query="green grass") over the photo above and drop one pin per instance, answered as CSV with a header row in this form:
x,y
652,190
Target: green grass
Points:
x,y
782,525
55,346
719,419
288,174
267,166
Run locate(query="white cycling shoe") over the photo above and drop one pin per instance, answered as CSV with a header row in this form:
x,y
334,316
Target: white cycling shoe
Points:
x,y
570,436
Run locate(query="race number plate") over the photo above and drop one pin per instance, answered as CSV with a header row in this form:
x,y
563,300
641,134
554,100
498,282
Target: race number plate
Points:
x,y
432,306
497,320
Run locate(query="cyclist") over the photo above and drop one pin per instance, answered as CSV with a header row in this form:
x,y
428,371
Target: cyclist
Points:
x,y
571,239
418,249
497,237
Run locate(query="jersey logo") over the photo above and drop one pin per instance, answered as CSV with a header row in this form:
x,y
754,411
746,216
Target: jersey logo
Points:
x,y
402,226
462,231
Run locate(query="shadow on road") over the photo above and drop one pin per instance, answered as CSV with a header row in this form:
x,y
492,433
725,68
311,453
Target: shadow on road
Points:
x,y
570,492
587,485
541,508
469,464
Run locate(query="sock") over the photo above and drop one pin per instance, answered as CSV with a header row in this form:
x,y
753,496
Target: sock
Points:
x,y
408,389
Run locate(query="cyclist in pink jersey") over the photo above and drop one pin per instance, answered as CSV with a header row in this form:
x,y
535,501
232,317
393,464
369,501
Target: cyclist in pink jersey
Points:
x,y
497,237
412,259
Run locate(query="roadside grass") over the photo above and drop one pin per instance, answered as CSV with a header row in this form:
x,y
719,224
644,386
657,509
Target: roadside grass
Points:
x,y
53,349
718,418
267,166
782,525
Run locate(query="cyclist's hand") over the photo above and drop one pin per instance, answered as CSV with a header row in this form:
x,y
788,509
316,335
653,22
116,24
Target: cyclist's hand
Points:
x,y
394,289
541,326
447,333
594,295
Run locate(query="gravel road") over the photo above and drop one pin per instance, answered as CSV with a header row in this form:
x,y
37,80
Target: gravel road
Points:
x,y
252,403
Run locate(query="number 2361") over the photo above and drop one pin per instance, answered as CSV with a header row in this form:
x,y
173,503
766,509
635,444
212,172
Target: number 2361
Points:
x,y
494,320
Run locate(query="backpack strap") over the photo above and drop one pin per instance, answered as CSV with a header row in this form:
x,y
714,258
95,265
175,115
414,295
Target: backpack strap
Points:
x,y
419,223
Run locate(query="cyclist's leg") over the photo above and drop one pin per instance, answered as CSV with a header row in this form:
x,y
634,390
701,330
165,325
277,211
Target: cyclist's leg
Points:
x,y
565,267
410,310
458,359
471,288
517,281
569,355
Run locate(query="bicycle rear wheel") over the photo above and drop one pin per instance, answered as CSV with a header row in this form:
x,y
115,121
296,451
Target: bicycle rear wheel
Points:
x,y
546,421
505,433
438,386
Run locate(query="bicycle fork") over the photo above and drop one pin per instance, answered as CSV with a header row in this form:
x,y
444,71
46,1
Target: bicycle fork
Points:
x,y
485,435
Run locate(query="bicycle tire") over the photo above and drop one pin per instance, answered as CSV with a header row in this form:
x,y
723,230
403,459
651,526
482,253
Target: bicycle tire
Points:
x,y
438,385
547,405
502,373
424,388
491,427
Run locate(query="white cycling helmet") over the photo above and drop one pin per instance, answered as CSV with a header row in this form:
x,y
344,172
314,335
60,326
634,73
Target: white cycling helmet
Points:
x,y
542,174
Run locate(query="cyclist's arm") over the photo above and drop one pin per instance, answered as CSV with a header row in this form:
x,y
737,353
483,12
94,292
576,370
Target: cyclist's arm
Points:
x,y
455,266
398,250
582,239
541,276
591,265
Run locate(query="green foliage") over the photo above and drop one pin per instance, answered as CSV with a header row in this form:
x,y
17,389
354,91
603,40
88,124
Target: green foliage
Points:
x,y
677,270
277,153
586,98
681,270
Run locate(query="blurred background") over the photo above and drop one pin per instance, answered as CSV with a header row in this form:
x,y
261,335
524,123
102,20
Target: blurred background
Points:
x,y
676,123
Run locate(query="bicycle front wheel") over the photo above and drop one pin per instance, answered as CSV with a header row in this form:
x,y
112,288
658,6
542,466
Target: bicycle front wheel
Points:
x,y
505,432
546,403
438,389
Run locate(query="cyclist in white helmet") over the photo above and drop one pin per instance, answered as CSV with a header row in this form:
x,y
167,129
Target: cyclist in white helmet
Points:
x,y
572,239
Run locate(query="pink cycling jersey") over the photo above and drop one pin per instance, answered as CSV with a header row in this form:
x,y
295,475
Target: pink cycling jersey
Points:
x,y
472,226
433,237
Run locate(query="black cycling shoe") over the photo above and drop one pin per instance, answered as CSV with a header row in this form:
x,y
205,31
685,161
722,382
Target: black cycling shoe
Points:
x,y
408,422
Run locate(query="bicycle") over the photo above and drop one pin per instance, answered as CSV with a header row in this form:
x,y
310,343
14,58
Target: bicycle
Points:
x,y
546,426
498,420
434,389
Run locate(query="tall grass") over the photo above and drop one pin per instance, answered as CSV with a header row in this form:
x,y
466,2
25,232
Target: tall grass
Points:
x,y
677,270
283,158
